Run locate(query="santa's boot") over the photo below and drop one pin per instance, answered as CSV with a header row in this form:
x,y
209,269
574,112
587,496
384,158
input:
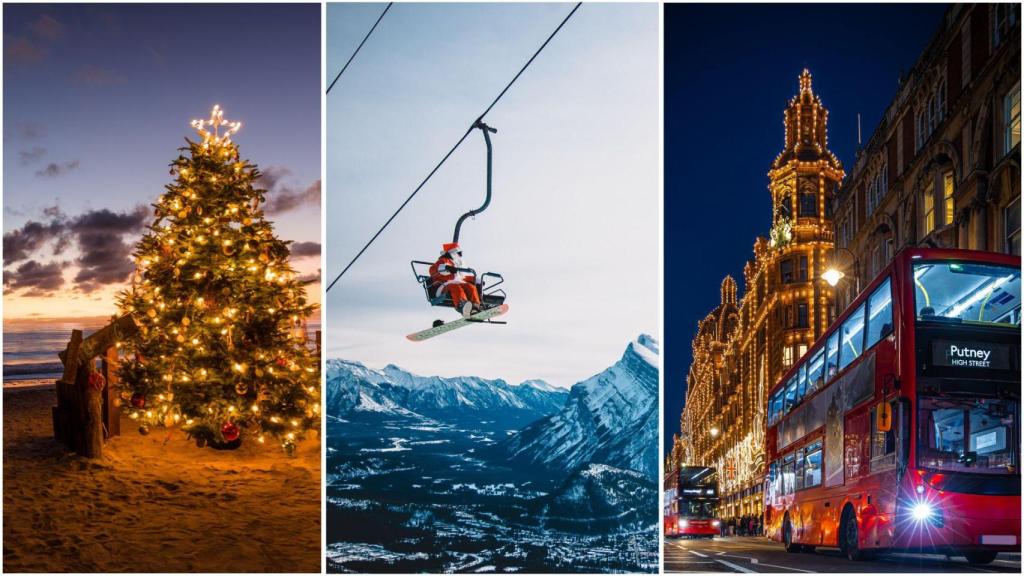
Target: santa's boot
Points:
x,y
467,309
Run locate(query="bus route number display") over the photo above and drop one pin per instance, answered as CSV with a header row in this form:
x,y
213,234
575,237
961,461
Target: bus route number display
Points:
x,y
970,355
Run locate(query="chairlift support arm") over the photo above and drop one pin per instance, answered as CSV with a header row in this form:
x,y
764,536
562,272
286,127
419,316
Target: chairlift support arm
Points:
x,y
487,131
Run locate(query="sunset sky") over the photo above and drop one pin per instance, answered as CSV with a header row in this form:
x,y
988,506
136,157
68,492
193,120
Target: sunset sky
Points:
x,y
97,99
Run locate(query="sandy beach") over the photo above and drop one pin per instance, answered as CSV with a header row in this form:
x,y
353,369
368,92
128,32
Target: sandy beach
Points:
x,y
153,503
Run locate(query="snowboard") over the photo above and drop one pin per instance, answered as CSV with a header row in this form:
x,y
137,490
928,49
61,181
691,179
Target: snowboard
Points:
x,y
456,324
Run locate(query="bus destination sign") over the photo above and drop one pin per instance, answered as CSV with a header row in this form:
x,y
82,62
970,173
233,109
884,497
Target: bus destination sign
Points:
x,y
970,354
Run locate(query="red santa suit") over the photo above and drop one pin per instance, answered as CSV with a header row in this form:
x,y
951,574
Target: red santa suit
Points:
x,y
460,286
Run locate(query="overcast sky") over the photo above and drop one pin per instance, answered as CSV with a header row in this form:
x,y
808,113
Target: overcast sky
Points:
x,y
97,100
573,225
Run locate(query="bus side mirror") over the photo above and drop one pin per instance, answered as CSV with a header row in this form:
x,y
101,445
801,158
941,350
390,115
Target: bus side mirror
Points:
x,y
884,416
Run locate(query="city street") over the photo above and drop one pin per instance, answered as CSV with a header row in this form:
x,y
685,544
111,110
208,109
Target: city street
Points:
x,y
758,554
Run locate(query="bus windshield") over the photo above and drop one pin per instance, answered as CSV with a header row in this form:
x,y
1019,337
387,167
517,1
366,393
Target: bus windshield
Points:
x,y
977,435
954,292
698,507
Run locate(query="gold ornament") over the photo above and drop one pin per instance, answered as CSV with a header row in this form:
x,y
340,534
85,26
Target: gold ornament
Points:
x,y
151,313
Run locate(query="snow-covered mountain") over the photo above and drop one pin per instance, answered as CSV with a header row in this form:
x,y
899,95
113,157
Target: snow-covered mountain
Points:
x,y
352,387
610,418
598,498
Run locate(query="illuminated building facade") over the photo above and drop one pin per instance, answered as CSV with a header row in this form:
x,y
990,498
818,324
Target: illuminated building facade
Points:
x,y
745,345
943,166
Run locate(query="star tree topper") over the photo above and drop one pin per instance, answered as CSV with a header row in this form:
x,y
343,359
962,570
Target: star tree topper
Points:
x,y
216,122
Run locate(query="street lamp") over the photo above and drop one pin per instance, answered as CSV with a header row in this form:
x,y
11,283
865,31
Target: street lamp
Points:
x,y
833,275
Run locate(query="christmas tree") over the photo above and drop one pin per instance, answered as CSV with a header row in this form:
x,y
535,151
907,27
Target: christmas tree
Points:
x,y
220,351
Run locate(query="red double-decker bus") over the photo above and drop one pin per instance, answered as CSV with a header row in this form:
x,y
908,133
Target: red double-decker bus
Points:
x,y
692,504
900,428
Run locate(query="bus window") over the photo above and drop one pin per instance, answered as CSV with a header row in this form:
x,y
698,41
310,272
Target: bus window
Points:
x,y
799,469
832,355
852,332
776,405
816,371
879,314
801,388
812,465
958,292
790,398
787,475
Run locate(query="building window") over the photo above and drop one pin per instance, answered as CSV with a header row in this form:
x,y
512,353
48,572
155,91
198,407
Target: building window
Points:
x,y
808,204
922,124
928,209
1011,119
787,356
1004,19
801,349
802,271
947,197
899,147
801,318
1011,215
878,186
786,271
965,55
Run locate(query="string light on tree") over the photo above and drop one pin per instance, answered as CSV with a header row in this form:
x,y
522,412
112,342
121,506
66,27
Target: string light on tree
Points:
x,y
218,302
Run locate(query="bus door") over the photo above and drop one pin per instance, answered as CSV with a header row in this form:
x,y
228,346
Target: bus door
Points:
x,y
880,490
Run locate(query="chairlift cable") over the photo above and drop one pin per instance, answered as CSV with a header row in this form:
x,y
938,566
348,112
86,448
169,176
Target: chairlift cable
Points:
x,y
479,120
365,38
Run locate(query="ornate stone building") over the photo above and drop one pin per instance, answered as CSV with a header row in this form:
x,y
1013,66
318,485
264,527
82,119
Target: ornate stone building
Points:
x,y
943,166
745,345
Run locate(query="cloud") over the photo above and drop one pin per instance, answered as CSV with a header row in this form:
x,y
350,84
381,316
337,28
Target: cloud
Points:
x,y
305,249
40,279
35,45
286,198
308,278
282,197
31,156
105,257
100,236
21,242
20,50
96,76
47,28
54,169
271,176
26,131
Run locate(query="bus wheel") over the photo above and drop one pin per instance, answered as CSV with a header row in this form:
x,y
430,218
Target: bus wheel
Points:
x,y
787,537
980,556
848,538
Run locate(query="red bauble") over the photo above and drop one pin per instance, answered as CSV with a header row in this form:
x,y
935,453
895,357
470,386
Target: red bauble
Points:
x,y
96,381
282,362
230,431
138,400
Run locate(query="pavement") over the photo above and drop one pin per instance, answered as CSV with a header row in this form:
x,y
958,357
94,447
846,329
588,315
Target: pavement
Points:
x,y
759,554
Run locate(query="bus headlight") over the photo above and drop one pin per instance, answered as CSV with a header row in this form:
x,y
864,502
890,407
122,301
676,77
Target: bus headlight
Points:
x,y
716,523
684,523
922,511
